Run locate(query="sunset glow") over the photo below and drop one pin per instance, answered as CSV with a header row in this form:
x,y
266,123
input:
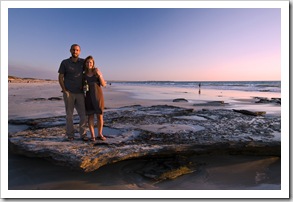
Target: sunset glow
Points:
x,y
180,44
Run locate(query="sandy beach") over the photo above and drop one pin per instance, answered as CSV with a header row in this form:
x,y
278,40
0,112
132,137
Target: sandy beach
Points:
x,y
22,105
219,172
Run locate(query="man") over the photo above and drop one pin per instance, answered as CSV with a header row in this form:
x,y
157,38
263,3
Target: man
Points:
x,y
70,80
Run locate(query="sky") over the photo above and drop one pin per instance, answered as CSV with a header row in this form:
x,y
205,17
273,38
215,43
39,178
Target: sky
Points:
x,y
157,44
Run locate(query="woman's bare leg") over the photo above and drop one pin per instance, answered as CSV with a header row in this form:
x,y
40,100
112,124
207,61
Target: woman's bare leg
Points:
x,y
100,126
91,122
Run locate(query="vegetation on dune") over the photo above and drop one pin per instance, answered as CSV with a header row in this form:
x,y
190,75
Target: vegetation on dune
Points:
x,y
10,78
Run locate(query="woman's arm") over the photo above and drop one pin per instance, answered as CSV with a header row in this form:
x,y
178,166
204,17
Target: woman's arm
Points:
x,y
100,76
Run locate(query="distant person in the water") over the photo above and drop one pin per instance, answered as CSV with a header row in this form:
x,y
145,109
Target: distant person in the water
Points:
x,y
199,85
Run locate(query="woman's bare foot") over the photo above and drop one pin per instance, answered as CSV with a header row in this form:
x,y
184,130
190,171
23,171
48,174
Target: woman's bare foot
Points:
x,y
102,137
93,139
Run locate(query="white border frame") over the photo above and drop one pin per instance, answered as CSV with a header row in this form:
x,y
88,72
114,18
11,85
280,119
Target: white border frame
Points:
x,y
283,193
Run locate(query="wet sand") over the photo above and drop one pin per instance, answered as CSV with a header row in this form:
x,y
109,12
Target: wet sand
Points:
x,y
218,172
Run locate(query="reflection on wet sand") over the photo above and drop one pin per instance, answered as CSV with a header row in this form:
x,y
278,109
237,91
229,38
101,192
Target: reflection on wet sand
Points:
x,y
227,172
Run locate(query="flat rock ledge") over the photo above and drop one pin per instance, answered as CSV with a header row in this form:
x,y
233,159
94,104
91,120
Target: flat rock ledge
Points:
x,y
150,132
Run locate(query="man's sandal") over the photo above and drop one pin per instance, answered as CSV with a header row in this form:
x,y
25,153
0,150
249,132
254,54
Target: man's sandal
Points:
x,y
84,138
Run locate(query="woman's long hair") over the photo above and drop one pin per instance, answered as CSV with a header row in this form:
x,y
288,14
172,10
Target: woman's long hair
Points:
x,y
86,70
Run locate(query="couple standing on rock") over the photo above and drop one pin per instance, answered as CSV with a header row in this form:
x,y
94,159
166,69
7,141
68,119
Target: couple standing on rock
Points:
x,y
81,83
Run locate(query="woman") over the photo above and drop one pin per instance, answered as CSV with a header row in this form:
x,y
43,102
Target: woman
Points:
x,y
94,98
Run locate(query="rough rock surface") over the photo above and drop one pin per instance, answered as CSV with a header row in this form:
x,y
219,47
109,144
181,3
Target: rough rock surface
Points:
x,y
267,100
150,132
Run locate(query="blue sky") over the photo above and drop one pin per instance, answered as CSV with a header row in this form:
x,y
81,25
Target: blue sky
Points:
x,y
194,44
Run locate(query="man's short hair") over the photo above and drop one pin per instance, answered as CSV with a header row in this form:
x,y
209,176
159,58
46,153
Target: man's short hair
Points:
x,y
73,45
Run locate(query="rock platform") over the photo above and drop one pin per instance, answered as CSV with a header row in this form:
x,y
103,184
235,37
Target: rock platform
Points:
x,y
150,132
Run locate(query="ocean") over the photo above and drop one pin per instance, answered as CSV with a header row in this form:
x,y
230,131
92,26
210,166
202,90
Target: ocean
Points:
x,y
254,86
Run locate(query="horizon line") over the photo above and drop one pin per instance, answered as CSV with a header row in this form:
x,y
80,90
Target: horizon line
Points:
x,y
33,78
